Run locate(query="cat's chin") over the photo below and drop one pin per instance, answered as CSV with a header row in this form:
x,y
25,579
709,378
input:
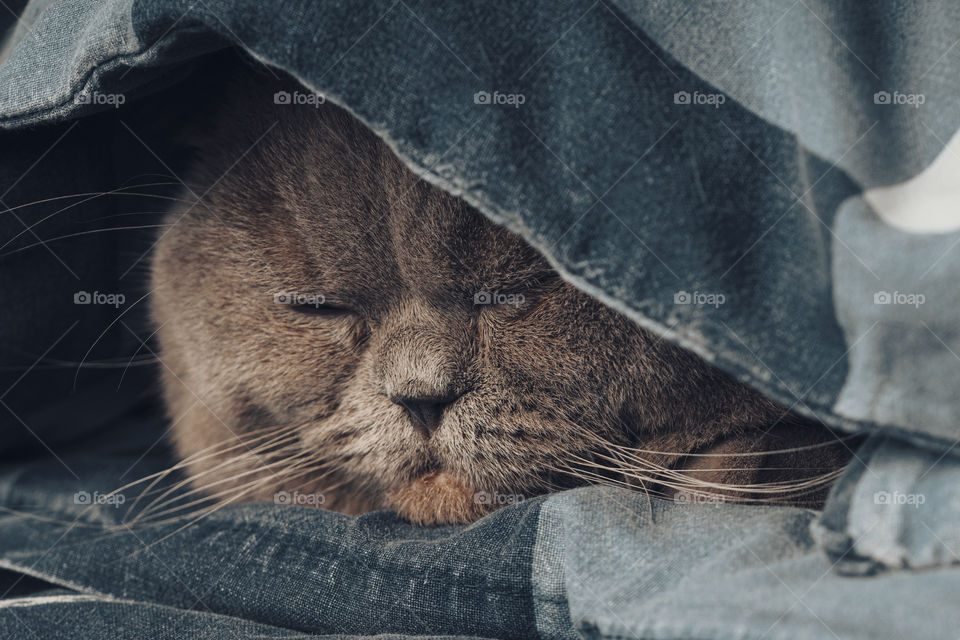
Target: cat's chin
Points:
x,y
436,498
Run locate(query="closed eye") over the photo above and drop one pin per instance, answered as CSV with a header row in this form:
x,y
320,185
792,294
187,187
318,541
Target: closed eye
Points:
x,y
311,304
324,309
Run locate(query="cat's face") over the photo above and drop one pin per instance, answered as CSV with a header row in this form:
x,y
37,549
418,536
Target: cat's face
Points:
x,y
375,340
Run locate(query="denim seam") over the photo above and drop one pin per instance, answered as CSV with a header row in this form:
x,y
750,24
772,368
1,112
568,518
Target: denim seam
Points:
x,y
99,70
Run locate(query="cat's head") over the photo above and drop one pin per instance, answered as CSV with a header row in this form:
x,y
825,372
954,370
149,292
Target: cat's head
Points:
x,y
333,326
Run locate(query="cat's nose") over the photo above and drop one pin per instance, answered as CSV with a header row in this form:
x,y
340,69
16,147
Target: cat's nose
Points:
x,y
425,412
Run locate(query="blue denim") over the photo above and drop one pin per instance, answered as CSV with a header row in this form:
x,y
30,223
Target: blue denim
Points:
x,y
262,566
595,562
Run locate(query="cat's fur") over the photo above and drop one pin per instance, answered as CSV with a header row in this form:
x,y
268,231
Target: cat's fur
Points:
x,y
529,397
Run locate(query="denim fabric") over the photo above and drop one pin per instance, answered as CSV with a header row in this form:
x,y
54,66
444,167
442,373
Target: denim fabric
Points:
x,y
84,616
887,340
589,562
663,156
260,566
715,570
813,68
895,506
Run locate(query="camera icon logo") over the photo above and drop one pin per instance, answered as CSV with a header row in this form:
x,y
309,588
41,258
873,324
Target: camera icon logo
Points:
x,y
882,497
282,497
682,297
481,97
881,97
482,297
82,497
282,298
681,97
82,297
281,97
882,297
482,497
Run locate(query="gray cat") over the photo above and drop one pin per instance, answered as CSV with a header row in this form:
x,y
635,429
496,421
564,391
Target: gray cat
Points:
x,y
332,326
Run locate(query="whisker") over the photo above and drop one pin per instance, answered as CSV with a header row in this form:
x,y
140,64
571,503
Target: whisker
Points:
x,y
107,363
104,332
160,509
765,452
285,439
212,450
92,196
213,509
125,215
149,490
681,481
82,233
135,353
238,460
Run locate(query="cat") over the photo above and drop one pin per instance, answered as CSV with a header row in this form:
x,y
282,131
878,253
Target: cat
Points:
x,y
333,326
